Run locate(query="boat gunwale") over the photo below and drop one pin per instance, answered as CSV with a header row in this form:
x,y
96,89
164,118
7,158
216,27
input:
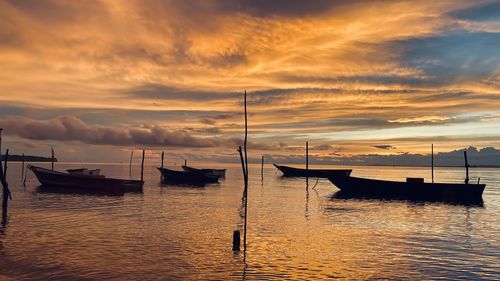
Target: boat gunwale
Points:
x,y
36,169
392,182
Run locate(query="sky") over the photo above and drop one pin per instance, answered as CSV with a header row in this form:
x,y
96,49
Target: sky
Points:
x,y
95,79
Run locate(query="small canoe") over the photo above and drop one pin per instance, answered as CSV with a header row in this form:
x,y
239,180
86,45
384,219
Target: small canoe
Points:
x,y
183,177
312,173
412,188
211,172
91,182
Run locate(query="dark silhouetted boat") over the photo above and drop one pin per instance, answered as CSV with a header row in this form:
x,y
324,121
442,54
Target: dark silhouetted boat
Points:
x,y
211,172
312,173
84,180
412,188
186,177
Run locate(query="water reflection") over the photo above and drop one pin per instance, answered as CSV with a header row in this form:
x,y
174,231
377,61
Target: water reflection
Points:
x,y
177,232
473,202
78,191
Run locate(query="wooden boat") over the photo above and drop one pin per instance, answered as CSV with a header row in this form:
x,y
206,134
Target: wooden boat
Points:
x,y
91,182
211,172
312,173
412,188
183,177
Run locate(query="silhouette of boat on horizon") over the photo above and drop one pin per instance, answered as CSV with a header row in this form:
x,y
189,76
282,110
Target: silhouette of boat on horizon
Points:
x,y
169,176
413,188
312,173
84,179
211,172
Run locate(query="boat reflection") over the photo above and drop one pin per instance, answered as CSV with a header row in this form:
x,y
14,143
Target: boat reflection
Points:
x,y
52,189
186,185
472,202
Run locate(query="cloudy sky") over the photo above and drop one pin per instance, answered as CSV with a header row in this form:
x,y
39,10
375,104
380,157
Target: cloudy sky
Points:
x,y
97,78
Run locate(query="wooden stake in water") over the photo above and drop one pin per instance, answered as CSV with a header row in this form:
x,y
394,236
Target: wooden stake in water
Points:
x,y
5,164
466,168
236,241
1,129
244,168
52,158
22,167
307,164
142,166
6,192
432,162
130,164
246,173
246,137
162,156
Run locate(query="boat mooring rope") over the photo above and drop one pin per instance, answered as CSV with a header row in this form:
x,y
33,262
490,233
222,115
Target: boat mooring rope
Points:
x,y
317,179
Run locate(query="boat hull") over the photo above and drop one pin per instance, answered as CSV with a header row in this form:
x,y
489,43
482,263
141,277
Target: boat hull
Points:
x,y
312,173
182,177
388,189
97,183
211,172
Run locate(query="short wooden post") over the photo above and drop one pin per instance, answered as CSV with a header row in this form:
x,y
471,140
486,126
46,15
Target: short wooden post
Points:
x,y
262,169
22,167
1,129
236,240
52,158
142,165
5,164
6,192
162,156
466,168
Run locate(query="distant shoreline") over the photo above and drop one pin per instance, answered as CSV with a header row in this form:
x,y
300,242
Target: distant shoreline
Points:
x,y
27,158
18,158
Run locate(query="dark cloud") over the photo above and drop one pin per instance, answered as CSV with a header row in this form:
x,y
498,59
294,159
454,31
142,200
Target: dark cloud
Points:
x,y
484,12
322,147
451,55
384,146
56,11
284,8
70,128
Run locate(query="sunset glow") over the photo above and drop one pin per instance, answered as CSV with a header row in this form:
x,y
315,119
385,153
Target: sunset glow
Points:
x,y
351,77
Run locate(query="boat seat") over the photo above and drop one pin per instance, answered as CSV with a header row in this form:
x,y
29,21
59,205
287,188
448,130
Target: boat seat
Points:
x,y
415,180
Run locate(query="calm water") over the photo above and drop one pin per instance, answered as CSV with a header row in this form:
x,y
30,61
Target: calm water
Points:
x,y
173,233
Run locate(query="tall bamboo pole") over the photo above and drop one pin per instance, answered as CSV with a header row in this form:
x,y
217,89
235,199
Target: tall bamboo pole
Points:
x,y
52,158
246,173
130,164
142,166
307,164
432,162
1,129
466,168
22,167
6,192
262,169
